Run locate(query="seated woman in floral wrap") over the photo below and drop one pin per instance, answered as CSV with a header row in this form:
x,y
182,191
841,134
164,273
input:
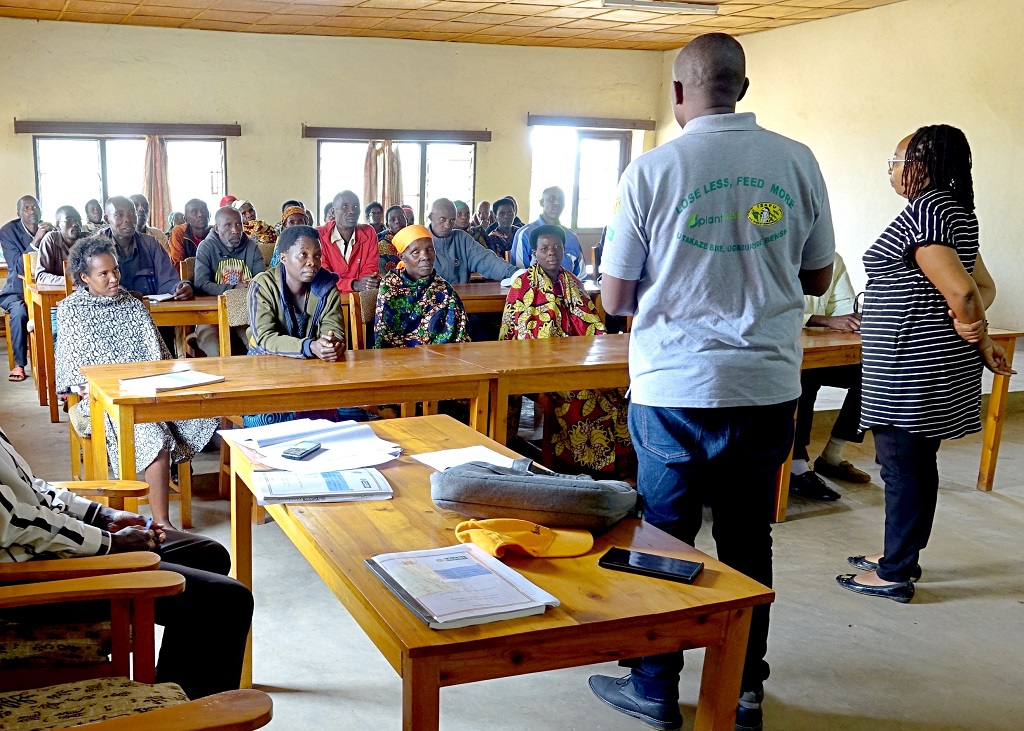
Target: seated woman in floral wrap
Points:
x,y
101,323
415,306
548,301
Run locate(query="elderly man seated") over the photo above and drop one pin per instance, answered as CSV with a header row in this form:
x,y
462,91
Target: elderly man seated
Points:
x,y
205,627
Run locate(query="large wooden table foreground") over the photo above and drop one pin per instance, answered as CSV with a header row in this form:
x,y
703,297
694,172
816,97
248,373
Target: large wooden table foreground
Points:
x,y
269,383
604,615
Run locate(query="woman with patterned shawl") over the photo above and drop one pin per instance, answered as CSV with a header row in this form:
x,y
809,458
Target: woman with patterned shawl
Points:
x,y
548,301
254,228
394,221
101,323
415,306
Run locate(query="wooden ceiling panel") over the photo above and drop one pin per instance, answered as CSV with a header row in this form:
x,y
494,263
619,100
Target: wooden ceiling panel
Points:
x,y
567,23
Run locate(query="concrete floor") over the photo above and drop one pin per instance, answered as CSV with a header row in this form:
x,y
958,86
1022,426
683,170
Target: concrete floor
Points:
x,y
949,660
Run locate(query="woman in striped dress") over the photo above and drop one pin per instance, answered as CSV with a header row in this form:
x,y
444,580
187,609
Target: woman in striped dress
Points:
x,y
924,344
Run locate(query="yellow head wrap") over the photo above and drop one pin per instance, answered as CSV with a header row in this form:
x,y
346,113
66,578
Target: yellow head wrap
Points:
x,y
407,235
291,210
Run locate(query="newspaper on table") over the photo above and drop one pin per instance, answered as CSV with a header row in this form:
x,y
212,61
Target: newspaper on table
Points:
x,y
279,487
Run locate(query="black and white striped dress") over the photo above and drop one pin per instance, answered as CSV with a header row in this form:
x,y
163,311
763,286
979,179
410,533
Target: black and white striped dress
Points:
x,y
919,375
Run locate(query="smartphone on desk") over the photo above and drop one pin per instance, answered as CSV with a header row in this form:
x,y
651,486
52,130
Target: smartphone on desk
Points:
x,y
300,450
648,564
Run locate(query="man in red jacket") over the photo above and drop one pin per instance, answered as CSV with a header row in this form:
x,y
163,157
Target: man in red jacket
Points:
x,y
350,248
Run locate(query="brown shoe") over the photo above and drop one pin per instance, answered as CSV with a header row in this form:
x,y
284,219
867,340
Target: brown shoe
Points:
x,y
843,471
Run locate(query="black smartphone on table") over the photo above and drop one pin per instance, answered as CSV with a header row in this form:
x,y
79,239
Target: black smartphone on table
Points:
x,y
300,450
648,564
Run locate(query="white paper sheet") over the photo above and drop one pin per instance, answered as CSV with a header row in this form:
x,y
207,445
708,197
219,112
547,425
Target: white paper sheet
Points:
x,y
446,458
358,484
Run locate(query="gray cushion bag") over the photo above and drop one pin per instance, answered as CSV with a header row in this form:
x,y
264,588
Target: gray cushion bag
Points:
x,y
482,490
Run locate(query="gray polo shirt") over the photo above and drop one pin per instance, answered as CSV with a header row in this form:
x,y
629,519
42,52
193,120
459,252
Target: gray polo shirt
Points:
x,y
715,227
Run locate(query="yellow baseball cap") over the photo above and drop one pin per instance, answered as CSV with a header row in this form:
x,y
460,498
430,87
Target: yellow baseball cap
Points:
x,y
498,535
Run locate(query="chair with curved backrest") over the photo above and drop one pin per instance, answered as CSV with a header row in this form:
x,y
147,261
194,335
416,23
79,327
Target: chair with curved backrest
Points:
x,y
361,306
82,466
110,694
187,269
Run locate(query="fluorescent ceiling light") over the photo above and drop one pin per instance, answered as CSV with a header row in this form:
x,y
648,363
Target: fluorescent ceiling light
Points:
x,y
663,6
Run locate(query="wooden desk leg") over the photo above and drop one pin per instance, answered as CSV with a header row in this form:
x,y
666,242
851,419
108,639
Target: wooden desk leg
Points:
x,y
38,362
45,354
782,481
499,410
124,417
421,694
720,680
97,418
241,551
994,421
479,414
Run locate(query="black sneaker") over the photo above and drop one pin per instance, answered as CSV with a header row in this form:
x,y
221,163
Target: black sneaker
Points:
x,y
620,694
748,711
812,487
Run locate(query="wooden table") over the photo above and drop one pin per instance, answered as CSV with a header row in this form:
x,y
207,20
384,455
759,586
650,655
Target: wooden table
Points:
x,y
824,348
604,615
171,313
491,296
44,298
538,366
268,383
183,313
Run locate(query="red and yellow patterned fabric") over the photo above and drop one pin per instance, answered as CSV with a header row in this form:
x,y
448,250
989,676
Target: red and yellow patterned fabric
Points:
x,y
593,432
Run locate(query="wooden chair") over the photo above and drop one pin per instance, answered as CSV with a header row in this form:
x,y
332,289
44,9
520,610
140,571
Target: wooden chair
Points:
x,y
69,283
361,306
82,464
187,268
29,261
115,695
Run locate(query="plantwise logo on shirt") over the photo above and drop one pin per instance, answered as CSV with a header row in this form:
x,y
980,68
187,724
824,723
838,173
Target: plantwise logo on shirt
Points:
x,y
765,214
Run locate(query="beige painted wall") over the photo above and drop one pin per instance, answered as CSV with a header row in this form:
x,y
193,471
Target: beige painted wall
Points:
x,y
851,87
272,84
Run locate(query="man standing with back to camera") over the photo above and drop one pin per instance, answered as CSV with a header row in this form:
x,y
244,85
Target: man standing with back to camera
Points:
x,y
715,238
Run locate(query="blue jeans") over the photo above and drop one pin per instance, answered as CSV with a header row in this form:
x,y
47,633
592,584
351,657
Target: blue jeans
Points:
x,y
726,458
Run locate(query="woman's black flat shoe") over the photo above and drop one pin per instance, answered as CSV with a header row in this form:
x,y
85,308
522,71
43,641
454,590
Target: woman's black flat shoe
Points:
x,y
902,592
862,563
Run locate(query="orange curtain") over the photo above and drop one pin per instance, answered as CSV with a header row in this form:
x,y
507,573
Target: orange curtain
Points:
x,y
370,173
382,174
154,182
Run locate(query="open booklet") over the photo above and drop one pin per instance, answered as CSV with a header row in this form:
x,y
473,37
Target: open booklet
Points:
x,y
458,586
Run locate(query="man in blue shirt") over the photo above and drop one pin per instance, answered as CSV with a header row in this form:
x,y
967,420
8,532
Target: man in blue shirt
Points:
x,y
552,201
18,237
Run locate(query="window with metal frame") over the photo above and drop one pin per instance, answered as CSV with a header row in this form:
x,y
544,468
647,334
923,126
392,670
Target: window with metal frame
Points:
x,y
71,170
430,170
586,164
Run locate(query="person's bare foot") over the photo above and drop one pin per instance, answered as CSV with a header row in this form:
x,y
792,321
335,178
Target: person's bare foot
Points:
x,y
870,578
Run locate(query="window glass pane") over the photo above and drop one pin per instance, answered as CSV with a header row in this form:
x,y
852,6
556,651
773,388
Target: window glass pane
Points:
x,y
341,168
554,162
195,169
599,178
68,173
409,152
126,163
449,172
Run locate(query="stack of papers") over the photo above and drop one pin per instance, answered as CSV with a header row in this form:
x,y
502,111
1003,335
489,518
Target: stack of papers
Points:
x,y
151,385
458,586
328,487
446,458
343,446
